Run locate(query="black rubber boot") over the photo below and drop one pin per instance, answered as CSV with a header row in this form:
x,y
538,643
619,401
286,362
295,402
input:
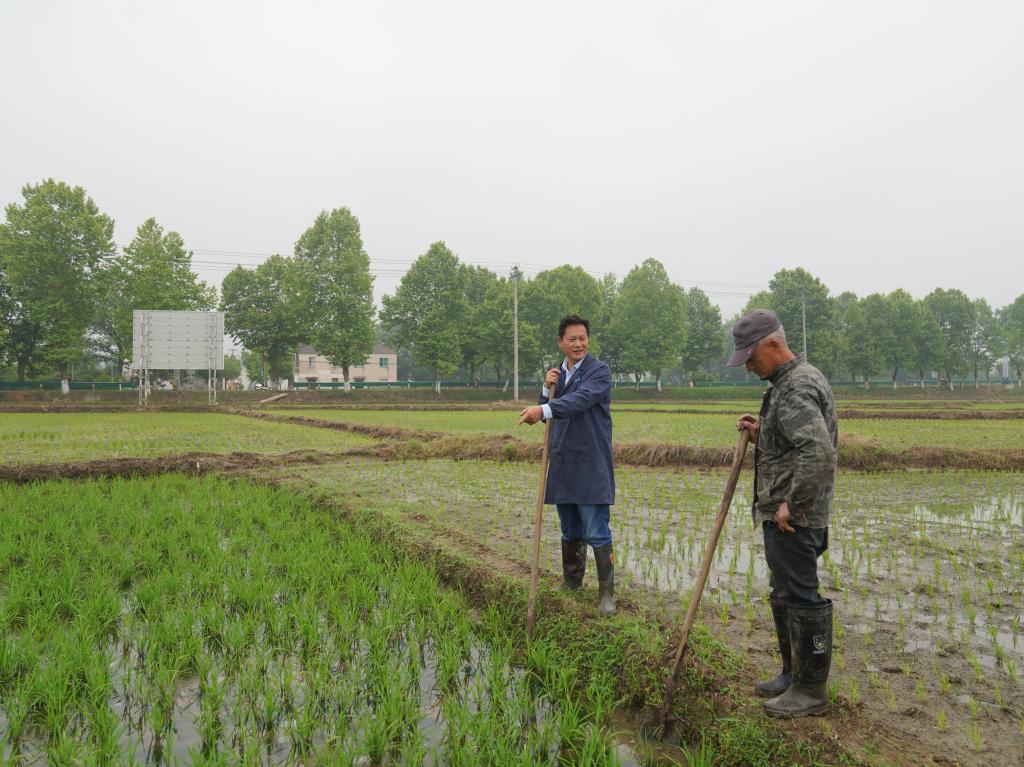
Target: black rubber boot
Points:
x,y
574,564
810,632
778,685
605,579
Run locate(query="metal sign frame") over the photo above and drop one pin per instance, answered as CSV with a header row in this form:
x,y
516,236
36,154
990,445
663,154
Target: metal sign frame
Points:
x,y
177,340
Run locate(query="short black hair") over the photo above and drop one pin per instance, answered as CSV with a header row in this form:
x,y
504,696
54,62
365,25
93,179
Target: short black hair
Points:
x,y
572,319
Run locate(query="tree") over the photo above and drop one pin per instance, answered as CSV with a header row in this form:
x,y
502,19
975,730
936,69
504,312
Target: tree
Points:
x,y
337,289
262,310
704,343
926,340
1012,320
954,314
53,249
649,321
898,325
428,310
490,326
844,307
864,323
154,272
552,295
792,288
478,335
987,343
232,368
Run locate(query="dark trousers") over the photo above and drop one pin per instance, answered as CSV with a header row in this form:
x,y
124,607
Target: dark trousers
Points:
x,y
793,563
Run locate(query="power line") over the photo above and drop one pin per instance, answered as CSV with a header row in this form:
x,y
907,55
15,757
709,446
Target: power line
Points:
x,y
220,260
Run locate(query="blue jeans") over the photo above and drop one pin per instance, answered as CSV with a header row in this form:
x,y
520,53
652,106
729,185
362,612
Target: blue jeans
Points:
x,y
585,522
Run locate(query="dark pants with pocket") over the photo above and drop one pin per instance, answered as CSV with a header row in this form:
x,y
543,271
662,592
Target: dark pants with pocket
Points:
x,y
793,563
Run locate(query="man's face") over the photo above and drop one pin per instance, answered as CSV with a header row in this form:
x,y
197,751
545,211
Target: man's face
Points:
x,y
574,343
758,362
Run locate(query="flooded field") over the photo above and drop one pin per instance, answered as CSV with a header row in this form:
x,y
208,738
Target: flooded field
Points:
x,y
701,429
212,622
926,570
175,620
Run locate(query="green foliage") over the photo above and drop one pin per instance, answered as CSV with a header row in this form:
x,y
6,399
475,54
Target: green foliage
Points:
x,y
955,316
648,327
336,289
987,339
866,334
792,288
704,341
263,311
232,368
487,303
552,295
489,327
53,249
428,311
1011,320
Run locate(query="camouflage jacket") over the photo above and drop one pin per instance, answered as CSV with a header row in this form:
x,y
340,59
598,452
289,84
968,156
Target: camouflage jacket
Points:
x,y
795,455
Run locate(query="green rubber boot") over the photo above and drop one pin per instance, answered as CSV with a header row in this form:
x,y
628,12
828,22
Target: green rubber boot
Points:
x,y
605,579
778,685
810,633
574,565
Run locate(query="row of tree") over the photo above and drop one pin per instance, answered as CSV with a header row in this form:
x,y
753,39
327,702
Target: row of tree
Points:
x,y
894,334
66,292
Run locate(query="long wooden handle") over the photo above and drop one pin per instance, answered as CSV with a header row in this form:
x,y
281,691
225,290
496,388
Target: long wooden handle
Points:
x,y
531,616
705,568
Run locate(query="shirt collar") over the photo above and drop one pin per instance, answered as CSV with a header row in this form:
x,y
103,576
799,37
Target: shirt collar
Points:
x,y
784,368
576,367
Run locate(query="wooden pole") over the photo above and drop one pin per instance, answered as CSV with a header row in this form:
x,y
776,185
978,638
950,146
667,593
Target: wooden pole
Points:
x,y
702,577
531,616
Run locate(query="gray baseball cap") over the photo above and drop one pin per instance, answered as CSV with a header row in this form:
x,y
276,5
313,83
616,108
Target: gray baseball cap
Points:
x,y
751,328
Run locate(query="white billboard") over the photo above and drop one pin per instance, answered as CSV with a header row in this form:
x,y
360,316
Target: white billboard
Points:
x,y
172,340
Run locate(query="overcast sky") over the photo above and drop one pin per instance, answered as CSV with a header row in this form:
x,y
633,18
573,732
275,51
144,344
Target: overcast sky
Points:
x,y
877,144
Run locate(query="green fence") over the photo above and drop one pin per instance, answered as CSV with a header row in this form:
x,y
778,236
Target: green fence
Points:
x,y
74,385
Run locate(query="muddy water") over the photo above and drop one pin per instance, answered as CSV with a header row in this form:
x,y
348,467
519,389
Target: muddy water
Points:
x,y
471,689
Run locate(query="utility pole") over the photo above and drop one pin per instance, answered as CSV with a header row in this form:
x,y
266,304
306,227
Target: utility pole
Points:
x,y
516,274
803,315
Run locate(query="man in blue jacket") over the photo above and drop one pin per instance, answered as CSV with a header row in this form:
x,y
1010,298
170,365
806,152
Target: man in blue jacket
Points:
x,y
581,480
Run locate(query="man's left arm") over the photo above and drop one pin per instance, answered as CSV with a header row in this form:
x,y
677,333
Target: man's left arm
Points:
x,y
594,389
803,424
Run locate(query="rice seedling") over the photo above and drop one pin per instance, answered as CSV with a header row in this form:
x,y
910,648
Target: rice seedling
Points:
x,y
59,437
256,650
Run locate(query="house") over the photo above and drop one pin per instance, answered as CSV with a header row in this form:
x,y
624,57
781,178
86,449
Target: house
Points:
x,y
380,367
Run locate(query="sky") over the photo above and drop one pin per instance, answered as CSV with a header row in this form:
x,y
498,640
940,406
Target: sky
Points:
x,y
876,144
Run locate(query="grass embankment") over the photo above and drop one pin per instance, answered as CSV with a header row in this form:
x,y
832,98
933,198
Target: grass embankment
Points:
x,y
990,445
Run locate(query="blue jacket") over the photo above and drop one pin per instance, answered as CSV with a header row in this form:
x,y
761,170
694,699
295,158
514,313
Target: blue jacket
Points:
x,y
580,458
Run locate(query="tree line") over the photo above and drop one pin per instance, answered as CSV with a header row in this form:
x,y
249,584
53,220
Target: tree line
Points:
x,y
66,294
894,334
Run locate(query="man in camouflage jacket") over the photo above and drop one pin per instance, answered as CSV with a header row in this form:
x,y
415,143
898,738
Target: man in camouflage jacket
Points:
x,y
795,437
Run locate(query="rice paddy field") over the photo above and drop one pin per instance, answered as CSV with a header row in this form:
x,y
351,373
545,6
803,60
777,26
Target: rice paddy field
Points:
x,y
697,429
365,608
57,437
